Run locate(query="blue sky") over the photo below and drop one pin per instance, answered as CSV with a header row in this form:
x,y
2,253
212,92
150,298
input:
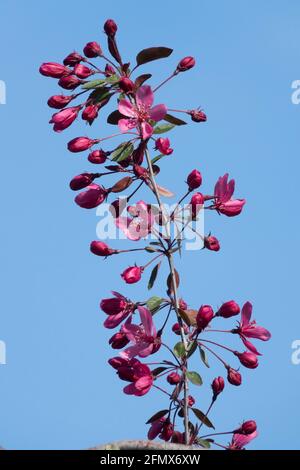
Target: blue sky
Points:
x,y
56,389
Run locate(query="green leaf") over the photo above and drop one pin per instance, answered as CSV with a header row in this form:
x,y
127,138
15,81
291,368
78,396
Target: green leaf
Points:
x,y
151,249
122,152
203,356
194,377
204,419
112,79
157,158
203,443
100,94
152,53
179,349
153,276
158,371
157,416
162,128
93,84
174,120
154,303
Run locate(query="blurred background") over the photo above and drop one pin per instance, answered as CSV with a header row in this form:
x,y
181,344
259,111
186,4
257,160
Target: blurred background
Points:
x,y
57,391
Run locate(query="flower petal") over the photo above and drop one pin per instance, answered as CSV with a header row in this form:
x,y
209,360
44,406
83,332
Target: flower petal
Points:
x,y
158,112
146,319
126,108
147,130
144,97
126,125
246,313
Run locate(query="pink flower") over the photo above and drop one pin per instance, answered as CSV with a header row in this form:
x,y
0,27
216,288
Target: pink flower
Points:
x,y
132,274
239,441
224,189
186,64
117,308
249,329
92,197
139,114
138,226
163,146
133,371
143,337
63,119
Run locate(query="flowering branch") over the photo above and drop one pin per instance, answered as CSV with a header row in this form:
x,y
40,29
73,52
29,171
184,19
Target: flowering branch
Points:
x,y
141,123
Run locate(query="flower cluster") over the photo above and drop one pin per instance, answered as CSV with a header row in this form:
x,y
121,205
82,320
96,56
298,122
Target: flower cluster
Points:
x,y
143,123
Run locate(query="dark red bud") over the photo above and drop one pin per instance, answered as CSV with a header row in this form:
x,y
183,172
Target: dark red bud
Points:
x,y
185,64
110,27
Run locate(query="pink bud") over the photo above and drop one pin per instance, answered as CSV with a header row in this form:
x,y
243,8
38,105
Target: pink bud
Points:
x,y
126,85
211,243
79,144
110,27
234,377
82,71
163,146
248,359
92,197
118,340
176,329
218,386
185,64
64,118
59,101
101,249
204,316
132,275
182,304
69,83
248,427
117,362
194,180
90,113
114,305
82,181
54,70
191,400
173,378
197,202
109,70
73,59
228,309
197,115
92,49
97,156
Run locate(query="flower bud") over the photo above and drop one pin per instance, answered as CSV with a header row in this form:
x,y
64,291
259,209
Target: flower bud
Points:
x,y
70,82
247,359
118,340
211,243
204,316
92,197
197,115
173,378
217,386
54,70
97,156
132,275
79,144
101,249
197,202
109,70
110,27
81,181
176,329
126,85
163,146
167,431
191,400
228,309
90,113
92,49
114,305
182,304
185,64
194,180
248,427
82,71
117,362
234,377
141,172
73,59
59,101
64,118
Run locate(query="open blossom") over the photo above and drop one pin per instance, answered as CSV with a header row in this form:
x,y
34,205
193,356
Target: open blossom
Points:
x,y
92,197
249,329
63,119
143,337
138,226
139,114
117,308
224,190
133,371
239,441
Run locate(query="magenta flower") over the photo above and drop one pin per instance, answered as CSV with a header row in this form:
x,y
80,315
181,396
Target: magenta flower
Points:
x,y
117,308
139,225
224,190
239,441
63,119
139,114
92,197
249,329
143,337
